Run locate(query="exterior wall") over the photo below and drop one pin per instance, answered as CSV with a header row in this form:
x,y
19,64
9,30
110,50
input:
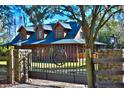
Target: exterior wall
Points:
x,y
37,36
73,51
23,34
78,36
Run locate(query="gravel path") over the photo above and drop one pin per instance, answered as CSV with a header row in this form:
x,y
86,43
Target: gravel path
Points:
x,y
38,83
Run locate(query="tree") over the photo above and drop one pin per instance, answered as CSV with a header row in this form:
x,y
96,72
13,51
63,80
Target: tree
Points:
x,y
119,34
113,27
37,14
6,22
92,19
107,31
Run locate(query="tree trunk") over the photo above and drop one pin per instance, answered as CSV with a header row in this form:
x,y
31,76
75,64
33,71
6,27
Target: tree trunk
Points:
x,y
90,68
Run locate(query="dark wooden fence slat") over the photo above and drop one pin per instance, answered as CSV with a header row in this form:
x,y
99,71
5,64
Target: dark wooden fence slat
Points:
x,y
108,84
110,72
3,58
110,69
109,60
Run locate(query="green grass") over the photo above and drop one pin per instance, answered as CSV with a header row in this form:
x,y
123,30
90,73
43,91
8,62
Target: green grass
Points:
x,y
66,65
3,62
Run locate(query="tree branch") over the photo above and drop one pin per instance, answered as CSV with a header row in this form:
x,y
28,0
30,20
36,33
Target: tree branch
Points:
x,y
102,24
85,26
103,16
94,17
73,15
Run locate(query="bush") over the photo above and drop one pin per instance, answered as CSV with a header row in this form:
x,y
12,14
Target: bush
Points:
x,y
3,51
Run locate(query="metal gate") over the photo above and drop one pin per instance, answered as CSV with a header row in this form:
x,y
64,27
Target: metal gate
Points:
x,y
58,62
4,67
3,72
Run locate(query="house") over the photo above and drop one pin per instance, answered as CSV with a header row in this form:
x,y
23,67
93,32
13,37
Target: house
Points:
x,y
50,37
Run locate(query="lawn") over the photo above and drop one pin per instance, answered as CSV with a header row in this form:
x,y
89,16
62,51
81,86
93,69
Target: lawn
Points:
x,y
66,65
3,62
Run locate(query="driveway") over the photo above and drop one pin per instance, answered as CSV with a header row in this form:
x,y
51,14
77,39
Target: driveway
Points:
x,y
38,83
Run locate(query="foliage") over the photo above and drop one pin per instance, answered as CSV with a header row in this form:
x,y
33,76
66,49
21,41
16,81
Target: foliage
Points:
x,y
6,22
37,14
91,18
3,51
3,63
119,33
112,28
51,65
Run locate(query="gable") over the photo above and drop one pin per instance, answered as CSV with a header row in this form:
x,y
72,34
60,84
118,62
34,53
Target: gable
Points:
x,y
59,31
25,32
22,34
65,25
79,34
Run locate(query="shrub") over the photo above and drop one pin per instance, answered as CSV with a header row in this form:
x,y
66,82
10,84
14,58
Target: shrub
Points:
x,y
3,51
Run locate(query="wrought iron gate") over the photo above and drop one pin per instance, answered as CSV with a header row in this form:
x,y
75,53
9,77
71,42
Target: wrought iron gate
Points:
x,y
59,62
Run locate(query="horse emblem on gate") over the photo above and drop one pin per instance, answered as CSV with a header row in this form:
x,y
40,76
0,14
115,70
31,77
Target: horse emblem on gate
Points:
x,y
59,56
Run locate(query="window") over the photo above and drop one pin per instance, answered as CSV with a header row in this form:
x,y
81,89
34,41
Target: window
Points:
x,y
39,34
59,33
81,35
23,35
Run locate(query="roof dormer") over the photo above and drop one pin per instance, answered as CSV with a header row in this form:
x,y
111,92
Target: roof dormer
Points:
x,y
42,32
25,32
47,29
22,33
61,29
39,33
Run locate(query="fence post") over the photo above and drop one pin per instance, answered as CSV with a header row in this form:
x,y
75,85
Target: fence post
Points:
x,y
16,66
10,67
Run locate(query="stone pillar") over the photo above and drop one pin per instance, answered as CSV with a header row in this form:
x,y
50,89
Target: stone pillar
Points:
x,y
21,64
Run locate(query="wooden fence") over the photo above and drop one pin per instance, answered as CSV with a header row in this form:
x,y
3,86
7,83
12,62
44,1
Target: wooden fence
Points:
x,y
5,67
3,73
109,69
